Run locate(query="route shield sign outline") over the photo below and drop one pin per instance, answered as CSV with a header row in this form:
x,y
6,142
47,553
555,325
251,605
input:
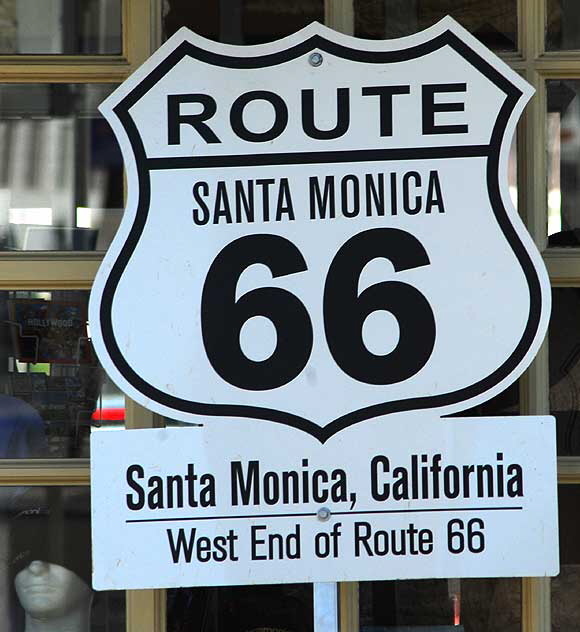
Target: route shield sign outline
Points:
x,y
318,231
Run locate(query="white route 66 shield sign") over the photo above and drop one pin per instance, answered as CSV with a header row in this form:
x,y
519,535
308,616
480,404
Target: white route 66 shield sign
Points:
x,y
318,231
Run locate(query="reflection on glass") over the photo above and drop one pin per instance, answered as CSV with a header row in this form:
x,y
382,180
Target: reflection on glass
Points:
x,y
403,603
61,171
562,24
82,27
281,608
240,21
52,389
513,171
445,605
563,163
564,349
566,586
45,577
494,23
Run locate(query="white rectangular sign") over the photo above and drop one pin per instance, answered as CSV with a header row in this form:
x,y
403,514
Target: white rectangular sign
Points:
x,y
420,497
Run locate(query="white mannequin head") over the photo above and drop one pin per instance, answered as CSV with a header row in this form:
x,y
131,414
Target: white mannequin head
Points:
x,y
53,597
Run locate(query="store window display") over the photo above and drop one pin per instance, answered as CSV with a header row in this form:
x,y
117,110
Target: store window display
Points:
x,y
45,532
493,22
21,430
279,608
54,598
53,392
61,170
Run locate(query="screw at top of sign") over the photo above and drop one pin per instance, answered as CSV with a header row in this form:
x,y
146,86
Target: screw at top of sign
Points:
x,y
323,514
315,59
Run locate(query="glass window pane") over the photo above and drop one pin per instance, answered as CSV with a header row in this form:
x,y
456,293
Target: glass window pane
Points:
x,y
53,390
566,586
513,171
494,23
563,163
70,27
61,171
45,576
281,608
441,605
240,21
562,24
564,349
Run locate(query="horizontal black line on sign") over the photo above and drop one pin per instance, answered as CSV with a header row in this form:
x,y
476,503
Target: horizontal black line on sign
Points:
x,y
318,157
336,513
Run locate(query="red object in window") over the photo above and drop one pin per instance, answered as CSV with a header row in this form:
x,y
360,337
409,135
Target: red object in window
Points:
x,y
108,414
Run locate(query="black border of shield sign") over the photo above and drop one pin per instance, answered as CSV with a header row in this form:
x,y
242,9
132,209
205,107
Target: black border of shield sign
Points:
x,y
318,42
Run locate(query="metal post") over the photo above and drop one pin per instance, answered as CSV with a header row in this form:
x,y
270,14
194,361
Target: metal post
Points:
x,y
326,607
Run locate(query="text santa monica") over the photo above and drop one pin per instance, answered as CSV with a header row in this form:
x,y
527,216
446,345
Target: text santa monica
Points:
x,y
423,477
